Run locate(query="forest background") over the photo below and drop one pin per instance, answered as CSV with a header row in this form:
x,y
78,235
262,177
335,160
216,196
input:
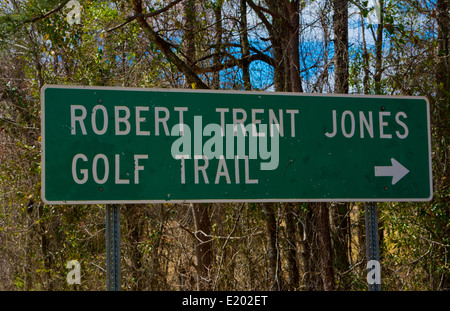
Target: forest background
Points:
x,y
323,46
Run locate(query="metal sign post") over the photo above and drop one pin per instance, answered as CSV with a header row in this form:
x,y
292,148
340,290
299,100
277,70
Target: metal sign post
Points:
x,y
372,248
113,247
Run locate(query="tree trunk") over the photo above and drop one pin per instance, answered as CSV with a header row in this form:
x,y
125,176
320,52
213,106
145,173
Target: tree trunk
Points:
x,y
272,246
245,46
379,50
133,221
365,57
340,225
279,56
291,256
324,244
217,43
340,21
339,211
203,245
189,37
310,254
293,17
284,36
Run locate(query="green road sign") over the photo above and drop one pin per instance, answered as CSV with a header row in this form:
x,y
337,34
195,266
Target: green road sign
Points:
x,y
127,145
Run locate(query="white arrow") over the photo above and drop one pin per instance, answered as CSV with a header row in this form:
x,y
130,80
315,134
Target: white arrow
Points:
x,y
397,171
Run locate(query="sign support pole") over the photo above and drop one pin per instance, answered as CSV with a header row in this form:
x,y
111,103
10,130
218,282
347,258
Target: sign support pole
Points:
x,y
112,247
372,244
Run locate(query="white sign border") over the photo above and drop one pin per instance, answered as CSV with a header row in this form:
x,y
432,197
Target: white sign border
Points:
x,y
119,88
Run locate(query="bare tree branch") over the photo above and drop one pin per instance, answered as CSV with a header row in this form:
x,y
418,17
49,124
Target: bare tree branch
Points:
x,y
233,62
35,19
166,48
151,14
261,16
